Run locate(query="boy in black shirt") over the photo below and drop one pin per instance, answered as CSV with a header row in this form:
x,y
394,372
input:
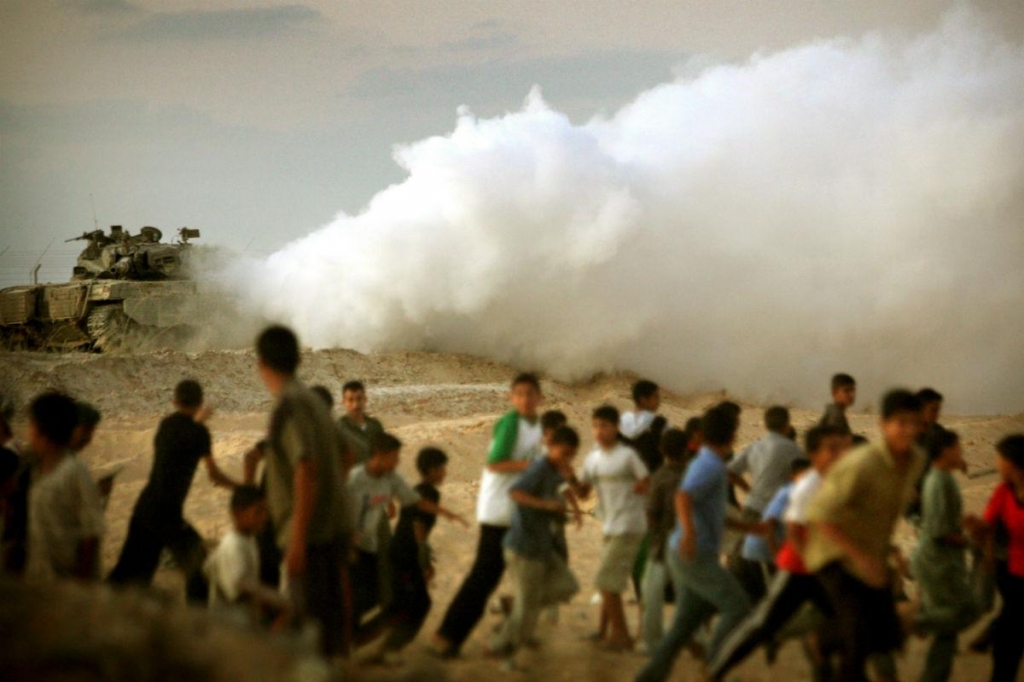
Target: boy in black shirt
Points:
x,y
412,561
157,521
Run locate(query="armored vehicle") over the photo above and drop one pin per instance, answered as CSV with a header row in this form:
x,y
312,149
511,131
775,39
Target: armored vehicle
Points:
x,y
126,290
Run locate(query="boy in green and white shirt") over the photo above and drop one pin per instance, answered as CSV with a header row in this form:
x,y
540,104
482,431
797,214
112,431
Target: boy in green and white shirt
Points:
x,y
516,442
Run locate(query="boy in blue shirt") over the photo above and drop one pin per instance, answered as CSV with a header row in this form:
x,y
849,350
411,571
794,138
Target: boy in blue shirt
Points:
x,y
704,586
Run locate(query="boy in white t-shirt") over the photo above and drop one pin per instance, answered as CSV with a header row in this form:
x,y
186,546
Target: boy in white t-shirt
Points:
x,y
233,569
621,479
515,443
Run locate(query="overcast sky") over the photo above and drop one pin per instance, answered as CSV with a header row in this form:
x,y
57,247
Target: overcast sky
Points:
x,y
259,121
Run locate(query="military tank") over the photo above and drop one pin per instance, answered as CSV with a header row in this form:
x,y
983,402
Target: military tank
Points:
x,y
125,291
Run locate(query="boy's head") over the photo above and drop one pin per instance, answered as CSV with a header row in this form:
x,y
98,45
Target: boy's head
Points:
x,y
188,395
605,424
324,394
549,421
776,420
646,395
384,451
51,421
901,420
88,419
730,407
564,444
673,446
945,451
931,405
719,426
824,445
248,509
694,431
844,390
432,463
797,467
353,397
277,351
525,395
1010,461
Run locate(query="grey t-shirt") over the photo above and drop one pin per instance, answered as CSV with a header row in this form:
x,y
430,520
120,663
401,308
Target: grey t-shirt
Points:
x,y
301,428
533,531
768,461
370,496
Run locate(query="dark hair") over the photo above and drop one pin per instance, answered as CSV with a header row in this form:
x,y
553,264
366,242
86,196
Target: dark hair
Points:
x,y
858,439
188,393
385,442
730,406
354,385
429,459
527,378
1011,448
278,348
817,434
927,396
606,413
55,416
672,445
244,496
941,441
842,380
325,394
565,435
694,425
776,418
88,415
898,401
799,464
552,419
9,463
719,426
643,389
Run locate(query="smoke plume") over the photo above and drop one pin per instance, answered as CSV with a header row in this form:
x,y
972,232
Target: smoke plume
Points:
x,y
844,205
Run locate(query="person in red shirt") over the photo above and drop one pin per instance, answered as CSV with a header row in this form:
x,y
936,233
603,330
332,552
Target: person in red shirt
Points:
x,y
1006,510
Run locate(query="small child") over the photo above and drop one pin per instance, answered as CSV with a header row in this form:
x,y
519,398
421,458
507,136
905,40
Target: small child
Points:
x,y
65,516
412,560
951,597
233,569
622,480
541,576
844,394
372,487
761,546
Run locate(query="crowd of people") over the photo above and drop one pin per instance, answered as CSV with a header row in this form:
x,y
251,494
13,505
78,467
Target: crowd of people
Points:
x,y
791,537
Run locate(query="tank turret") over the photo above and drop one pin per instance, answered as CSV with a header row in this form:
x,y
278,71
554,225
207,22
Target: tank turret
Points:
x,y
141,257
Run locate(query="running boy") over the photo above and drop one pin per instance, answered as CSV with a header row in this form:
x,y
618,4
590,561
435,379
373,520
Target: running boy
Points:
x,y
516,441
851,523
181,442
372,488
622,480
792,586
233,569
644,426
541,576
65,517
844,394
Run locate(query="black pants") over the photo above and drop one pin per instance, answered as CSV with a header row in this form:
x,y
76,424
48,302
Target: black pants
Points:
x,y
270,555
319,595
469,604
865,621
1008,629
410,604
365,585
786,594
140,555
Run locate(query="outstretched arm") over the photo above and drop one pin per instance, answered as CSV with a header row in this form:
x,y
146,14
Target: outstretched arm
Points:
x,y
217,475
437,510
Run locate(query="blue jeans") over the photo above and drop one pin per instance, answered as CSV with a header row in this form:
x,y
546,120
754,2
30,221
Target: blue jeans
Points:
x,y
704,588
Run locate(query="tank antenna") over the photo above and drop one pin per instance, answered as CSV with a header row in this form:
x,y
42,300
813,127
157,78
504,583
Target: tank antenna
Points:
x,y
95,222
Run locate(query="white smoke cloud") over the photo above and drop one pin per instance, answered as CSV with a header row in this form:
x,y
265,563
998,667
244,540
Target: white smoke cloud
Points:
x,y
849,205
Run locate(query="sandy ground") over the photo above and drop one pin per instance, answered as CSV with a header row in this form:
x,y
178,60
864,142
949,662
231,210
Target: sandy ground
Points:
x,y
450,401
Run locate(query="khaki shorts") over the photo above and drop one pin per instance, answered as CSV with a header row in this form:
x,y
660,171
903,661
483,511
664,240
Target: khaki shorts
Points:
x,y
617,557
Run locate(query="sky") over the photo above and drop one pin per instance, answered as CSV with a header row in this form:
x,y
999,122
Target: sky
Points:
x,y
259,121
263,122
